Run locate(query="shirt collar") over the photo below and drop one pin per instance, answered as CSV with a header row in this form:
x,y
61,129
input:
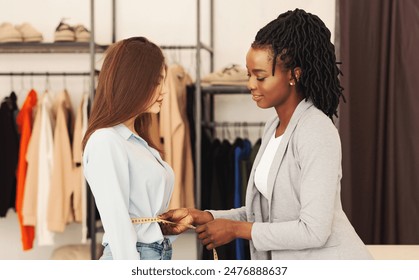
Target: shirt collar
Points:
x,y
126,133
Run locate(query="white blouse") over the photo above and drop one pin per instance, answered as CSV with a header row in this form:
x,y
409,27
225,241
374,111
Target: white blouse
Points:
x,y
128,179
262,170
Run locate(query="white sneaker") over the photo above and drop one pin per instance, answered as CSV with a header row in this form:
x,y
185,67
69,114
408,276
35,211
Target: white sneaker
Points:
x,y
230,75
9,34
29,33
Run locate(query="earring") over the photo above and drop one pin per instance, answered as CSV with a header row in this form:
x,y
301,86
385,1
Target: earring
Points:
x,y
291,83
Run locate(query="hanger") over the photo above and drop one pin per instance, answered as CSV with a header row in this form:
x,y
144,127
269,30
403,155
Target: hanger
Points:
x,y
65,82
21,92
12,87
31,81
237,130
225,131
245,130
175,56
47,83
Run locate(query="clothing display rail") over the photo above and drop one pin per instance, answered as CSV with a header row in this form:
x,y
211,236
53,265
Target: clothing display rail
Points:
x,y
91,48
232,124
227,89
44,74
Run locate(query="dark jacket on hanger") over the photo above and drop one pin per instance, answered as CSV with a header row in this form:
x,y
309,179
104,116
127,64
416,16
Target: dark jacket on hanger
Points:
x,y
9,152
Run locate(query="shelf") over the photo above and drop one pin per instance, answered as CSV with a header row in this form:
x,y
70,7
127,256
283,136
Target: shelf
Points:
x,y
61,47
225,89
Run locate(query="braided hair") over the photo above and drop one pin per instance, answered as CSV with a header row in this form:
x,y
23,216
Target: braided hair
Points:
x,y
301,39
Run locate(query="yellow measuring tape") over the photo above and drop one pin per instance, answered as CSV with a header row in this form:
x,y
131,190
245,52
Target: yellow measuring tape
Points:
x,y
158,220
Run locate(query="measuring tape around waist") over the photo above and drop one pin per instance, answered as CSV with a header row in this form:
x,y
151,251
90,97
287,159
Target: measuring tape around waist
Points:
x,y
158,220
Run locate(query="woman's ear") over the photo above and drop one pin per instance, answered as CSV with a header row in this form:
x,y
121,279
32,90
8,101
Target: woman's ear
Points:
x,y
297,74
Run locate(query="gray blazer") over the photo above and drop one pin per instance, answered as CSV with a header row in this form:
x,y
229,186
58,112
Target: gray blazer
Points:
x,y
302,218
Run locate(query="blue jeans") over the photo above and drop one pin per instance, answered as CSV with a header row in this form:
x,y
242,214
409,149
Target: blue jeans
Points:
x,y
152,251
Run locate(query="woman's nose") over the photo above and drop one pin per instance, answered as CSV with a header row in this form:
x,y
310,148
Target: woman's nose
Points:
x,y
251,85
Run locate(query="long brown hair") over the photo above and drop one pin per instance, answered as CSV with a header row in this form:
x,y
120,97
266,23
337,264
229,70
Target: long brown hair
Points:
x,y
128,78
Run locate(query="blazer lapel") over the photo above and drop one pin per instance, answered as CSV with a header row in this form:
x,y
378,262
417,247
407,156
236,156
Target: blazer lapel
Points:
x,y
251,189
279,155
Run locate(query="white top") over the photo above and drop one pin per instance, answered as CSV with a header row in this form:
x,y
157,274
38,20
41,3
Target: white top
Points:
x,y
262,170
46,161
128,179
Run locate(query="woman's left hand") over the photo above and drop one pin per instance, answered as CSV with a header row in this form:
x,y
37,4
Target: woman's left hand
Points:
x,y
217,232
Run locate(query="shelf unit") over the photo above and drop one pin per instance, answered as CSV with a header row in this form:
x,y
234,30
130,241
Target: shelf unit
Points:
x,y
92,49
209,91
58,47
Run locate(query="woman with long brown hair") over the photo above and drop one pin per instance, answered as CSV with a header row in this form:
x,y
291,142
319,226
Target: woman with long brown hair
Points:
x,y
123,167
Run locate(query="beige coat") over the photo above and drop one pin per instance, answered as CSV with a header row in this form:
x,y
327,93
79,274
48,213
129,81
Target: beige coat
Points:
x,y
64,187
174,129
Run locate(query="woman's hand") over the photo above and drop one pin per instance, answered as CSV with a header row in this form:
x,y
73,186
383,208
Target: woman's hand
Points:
x,y
222,231
183,217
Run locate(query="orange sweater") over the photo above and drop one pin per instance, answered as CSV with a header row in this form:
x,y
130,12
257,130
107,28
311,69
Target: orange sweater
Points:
x,y
24,122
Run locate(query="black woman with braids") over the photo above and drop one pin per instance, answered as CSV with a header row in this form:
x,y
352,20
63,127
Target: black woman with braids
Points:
x,y
293,208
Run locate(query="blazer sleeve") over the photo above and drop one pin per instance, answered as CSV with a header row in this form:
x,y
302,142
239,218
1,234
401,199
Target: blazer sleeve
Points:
x,y
238,214
318,152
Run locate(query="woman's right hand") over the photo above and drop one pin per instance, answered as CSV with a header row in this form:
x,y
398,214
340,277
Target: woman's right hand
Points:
x,y
183,219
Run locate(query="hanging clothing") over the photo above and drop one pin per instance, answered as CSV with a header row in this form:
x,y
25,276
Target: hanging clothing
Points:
x,y
9,153
24,121
64,189
225,172
80,197
174,129
40,162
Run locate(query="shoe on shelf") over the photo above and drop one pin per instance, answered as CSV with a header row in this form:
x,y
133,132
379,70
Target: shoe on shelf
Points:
x,y
64,33
81,33
29,33
230,75
9,34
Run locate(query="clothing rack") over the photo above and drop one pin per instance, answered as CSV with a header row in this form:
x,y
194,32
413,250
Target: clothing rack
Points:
x,y
232,124
44,74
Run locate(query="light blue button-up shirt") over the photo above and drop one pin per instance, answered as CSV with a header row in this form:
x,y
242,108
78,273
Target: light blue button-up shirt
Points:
x,y
128,179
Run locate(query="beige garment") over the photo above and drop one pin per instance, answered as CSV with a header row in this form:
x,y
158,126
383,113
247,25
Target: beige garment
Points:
x,y
40,162
31,182
174,129
63,185
80,194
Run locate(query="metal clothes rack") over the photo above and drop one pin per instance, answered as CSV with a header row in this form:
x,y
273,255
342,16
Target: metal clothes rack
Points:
x,y
44,74
232,124
63,47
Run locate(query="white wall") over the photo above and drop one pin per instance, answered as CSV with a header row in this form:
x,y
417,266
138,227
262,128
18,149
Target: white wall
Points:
x,y
164,21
